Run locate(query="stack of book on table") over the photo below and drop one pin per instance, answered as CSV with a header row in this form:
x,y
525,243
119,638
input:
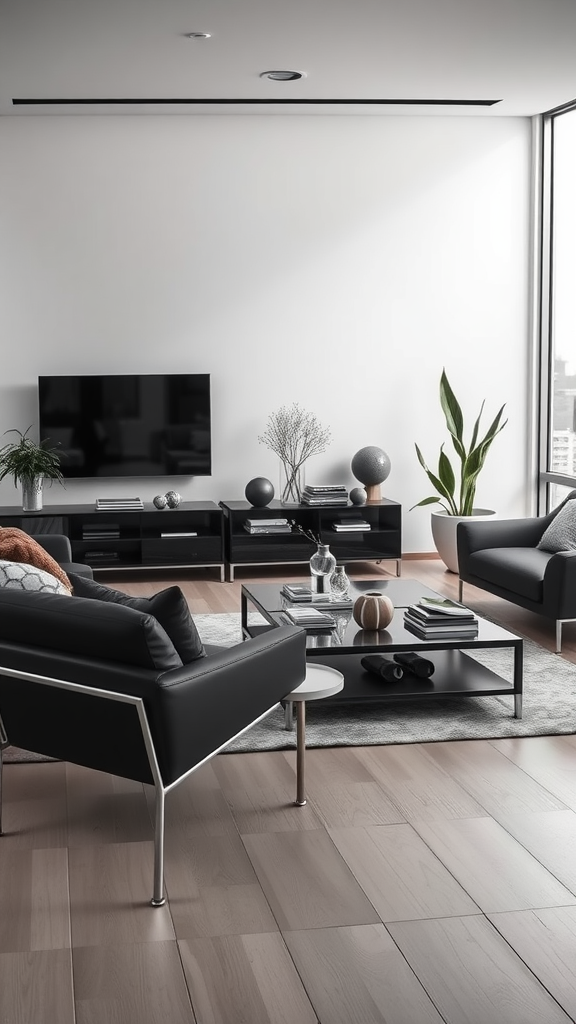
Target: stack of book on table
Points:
x,y
267,526
301,594
328,494
313,620
441,619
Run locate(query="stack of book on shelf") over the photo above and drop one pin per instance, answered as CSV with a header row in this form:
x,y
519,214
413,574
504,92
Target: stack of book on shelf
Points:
x,y
328,494
437,618
92,557
351,526
301,594
313,620
258,526
118,504
100,531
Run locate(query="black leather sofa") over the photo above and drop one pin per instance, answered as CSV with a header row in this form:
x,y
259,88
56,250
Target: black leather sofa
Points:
x,y
503,558
103,685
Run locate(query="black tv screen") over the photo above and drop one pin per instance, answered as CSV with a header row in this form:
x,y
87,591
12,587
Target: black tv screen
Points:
x,y
124,425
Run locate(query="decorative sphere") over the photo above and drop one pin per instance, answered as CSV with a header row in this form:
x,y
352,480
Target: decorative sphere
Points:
x,y
160,501
358,496
173,499
371,465
373,611
259,491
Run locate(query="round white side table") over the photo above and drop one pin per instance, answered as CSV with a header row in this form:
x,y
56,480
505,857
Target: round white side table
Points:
x,y
321,681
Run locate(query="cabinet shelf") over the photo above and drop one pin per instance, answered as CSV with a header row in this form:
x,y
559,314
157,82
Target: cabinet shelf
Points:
x,y
131,540
381,543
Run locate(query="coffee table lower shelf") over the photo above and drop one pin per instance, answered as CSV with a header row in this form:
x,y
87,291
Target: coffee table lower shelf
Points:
x,y
455,675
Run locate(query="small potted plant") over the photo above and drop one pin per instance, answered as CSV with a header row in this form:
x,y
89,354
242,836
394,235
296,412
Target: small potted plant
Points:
x,y
30,464
456,492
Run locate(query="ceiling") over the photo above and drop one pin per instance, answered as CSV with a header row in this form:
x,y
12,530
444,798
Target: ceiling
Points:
x,y
374,56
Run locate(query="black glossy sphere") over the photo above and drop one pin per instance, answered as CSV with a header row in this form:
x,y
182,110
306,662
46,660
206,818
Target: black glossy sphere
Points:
x,y
259,491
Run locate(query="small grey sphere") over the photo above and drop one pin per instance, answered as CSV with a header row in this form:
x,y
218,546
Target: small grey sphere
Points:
x,y
358,496
371,465
160,501
173,499
259,491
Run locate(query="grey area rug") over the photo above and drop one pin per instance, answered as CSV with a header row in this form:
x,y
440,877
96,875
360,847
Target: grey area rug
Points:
x,y
549,707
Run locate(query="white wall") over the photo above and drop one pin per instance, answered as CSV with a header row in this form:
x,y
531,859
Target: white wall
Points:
x,y
339,262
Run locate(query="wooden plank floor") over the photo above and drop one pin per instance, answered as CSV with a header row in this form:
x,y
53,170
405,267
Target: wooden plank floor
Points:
x,y
421,883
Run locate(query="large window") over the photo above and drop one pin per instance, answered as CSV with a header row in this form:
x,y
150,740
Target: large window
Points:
x,y
558,449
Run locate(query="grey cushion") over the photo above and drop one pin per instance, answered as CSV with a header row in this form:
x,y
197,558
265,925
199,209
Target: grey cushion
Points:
x,y
519,570
169,608
561,534
21,576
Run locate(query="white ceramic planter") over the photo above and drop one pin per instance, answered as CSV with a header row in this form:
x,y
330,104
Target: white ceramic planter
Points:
x,y
444,533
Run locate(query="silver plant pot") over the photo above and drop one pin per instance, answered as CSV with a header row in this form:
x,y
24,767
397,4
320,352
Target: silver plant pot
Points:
x,y
32,494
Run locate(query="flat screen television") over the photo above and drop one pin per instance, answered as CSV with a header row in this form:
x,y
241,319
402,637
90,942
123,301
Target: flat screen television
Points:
x,y
128,425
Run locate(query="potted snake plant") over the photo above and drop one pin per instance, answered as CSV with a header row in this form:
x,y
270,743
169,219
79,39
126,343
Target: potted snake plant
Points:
x,y
30,464
456,490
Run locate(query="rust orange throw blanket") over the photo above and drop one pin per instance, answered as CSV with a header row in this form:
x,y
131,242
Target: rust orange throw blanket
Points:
x,y
17,546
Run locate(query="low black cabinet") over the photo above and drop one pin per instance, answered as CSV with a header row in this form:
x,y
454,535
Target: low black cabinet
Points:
x,y
382,542
190,535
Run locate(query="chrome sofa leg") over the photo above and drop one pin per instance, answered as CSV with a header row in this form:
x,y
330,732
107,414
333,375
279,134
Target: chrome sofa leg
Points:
x,y
460,589
558,636
3,743
289,715
158,898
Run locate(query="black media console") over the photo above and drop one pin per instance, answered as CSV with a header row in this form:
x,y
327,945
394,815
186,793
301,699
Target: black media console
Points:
x,y
202,533
381,543
190,535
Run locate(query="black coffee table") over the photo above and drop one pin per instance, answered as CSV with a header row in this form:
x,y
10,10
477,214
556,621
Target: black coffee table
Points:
x,y
455,673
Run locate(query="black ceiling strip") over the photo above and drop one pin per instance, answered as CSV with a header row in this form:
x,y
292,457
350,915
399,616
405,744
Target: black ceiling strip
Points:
x,y
19,102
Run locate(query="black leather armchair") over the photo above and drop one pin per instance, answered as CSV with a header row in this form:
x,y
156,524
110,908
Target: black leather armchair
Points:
x,y
101,685
502,557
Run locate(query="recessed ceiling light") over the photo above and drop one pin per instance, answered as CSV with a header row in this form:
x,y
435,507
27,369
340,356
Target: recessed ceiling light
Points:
x,y
282,76
198,35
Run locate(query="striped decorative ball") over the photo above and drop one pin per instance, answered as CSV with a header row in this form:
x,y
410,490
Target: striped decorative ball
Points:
x,y
373,611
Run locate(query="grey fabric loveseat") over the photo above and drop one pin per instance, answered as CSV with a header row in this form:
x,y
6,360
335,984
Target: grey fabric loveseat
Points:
x,y
530,562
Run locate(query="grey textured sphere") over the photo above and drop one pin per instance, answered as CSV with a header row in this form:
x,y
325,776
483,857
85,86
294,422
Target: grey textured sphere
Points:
x,y
370,465
160,501
358,496
173,499
259,491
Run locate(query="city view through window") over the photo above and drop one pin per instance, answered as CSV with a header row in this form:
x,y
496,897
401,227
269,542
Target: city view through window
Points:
x,y
562,449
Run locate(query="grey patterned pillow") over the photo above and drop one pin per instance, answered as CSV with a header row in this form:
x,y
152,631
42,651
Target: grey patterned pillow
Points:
x,y
561,534
21,576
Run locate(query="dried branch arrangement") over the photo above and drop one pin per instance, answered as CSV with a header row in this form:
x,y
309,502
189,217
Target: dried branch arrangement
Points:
x,y
294,435
309,534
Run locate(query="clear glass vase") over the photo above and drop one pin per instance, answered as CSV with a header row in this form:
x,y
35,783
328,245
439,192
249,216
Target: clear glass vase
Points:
x,y
291,484
339,583
322,565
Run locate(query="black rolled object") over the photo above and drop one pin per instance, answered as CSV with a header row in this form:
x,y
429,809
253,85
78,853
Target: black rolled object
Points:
x,y
385,668
411,662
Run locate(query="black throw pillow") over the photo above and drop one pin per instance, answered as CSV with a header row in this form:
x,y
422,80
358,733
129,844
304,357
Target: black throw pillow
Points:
x,y
169,608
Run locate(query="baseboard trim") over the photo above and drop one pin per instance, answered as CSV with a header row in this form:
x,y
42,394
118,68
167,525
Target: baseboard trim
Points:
x,y
420,554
